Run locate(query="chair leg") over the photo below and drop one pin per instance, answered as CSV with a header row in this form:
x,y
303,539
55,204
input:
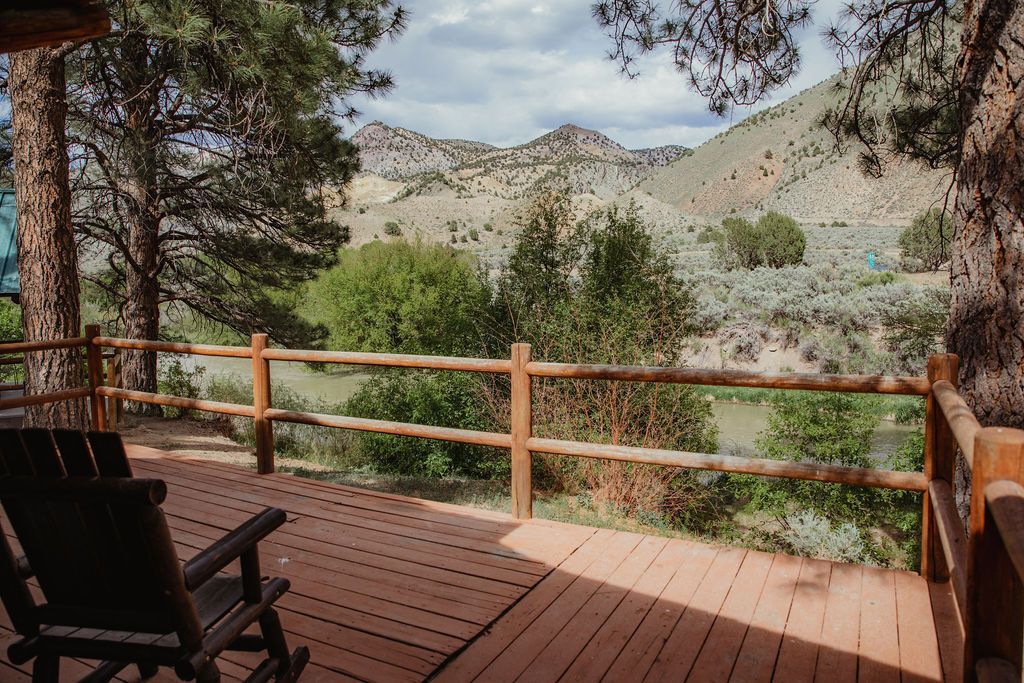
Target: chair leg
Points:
x,y
46,669
208,674
289,666
148,670
273,636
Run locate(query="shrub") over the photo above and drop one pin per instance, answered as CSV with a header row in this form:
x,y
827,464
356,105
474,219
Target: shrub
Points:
x,y
924,243
474,235
782,242
738,244
488,227
176,380
450,399
391,228
809,534
826,428
400,298
775,241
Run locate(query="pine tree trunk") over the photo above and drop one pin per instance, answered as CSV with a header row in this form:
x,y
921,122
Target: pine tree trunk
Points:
x,y
987,312
47,258
142,292
141,312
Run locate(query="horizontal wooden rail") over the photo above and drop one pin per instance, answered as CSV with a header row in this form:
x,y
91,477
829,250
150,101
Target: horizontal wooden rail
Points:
x,y
175,347
176,401
951,535
961,419
399,360
11,386
836,474
469,436
40,399
46,345
875,384
1005,501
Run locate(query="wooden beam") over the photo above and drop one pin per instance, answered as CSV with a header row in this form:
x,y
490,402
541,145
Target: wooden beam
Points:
x,y
871,384
836,474
42,23
522,430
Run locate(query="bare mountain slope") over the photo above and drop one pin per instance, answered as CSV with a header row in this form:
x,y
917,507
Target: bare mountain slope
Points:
x,y
583,160
396,153
781,159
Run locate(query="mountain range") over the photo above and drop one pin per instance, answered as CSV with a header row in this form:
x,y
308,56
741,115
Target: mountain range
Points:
x,y
779,158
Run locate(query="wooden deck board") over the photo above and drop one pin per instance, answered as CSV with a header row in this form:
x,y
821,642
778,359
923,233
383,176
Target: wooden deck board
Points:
x,y
388,588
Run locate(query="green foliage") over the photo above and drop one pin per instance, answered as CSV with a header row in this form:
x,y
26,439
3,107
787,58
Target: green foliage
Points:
x,y
775,241
400,297
601,292
474,235
924,244
391,229
915,328
782,242
446,399
828,428
177,380
10,330
738,244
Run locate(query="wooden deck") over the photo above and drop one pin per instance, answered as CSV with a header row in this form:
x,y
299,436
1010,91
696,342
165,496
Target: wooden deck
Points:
x,y
386,588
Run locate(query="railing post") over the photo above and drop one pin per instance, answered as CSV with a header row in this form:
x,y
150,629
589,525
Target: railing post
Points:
x,y
94,362
994,625
522,429
939,463
115,406
260,402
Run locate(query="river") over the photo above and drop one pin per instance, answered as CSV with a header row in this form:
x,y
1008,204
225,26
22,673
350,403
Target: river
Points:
x,y
738,423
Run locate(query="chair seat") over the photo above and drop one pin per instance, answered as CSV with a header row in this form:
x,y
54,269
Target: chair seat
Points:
x,y
213,600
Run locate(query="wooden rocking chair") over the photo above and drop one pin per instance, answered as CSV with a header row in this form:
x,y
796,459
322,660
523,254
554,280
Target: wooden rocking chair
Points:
x,y
97,543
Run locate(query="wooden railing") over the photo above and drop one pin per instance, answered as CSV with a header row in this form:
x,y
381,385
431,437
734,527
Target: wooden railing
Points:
x,y
985,563
985,567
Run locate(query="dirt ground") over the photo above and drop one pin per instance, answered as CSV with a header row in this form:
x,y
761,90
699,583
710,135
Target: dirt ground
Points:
x,y
199,439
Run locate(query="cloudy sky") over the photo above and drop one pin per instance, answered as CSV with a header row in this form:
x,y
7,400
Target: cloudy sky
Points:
x,y
506,71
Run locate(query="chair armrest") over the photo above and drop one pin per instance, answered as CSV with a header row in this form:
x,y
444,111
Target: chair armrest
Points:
x,y
223,552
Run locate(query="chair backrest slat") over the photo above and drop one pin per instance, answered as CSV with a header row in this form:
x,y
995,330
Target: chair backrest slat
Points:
x,y
75,453
109,454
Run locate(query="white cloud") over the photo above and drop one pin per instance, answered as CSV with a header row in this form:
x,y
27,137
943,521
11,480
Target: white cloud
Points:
x,y
505,71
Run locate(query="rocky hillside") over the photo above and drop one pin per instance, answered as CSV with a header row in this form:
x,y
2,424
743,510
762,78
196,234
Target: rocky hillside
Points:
x,y
781,159
396,153
583,160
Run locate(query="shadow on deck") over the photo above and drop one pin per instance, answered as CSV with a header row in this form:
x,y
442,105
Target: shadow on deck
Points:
x,y
386,588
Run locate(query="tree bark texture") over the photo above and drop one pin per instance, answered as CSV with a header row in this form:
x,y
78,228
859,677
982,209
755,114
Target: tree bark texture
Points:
x,y
142,222
986,327
47,257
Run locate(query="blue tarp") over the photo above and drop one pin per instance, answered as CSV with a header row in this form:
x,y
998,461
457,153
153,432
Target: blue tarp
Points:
x,y
9,283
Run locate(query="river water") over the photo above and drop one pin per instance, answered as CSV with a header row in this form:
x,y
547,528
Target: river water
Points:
x,y
738,423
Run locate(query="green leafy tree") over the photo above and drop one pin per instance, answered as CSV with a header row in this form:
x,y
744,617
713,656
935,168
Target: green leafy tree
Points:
x,y
782,240
207,142
924,244
400,297
600,292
